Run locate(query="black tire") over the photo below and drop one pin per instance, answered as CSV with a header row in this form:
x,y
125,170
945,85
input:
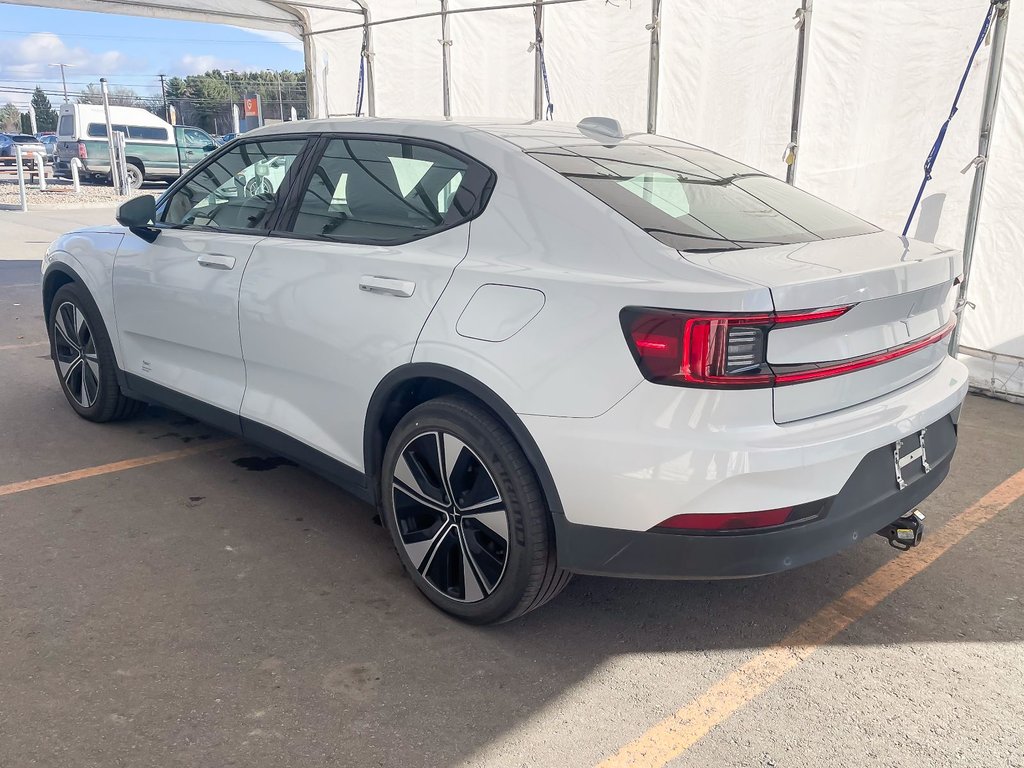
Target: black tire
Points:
x,y
135,176
435,522
84,359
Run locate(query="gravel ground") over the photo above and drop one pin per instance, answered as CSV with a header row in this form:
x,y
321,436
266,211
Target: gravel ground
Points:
x,y
59,193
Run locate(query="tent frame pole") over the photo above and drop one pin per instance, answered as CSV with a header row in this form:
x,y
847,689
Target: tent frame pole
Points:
x,y
803,15
654,66
312,80
371,91
538,75
446,76
980,163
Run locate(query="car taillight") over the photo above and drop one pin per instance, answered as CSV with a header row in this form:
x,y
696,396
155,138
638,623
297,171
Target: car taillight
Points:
x,y
83,154
709,350
729,351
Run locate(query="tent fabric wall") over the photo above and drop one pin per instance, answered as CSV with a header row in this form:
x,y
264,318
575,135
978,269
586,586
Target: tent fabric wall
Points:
x,y
880,80
997,276
727,77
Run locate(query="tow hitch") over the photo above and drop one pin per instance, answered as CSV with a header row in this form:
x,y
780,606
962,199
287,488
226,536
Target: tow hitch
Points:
x,y
906,532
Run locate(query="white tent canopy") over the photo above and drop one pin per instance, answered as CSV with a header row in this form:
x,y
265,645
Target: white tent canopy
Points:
x,y
880,77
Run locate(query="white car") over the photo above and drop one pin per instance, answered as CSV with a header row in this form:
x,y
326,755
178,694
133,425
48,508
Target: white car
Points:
x,y
540,349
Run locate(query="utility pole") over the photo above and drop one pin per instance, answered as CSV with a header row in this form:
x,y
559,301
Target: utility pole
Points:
x,y
280,99
163,95
63,79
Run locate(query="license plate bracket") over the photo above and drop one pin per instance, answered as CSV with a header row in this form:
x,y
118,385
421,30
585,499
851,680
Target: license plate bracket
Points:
x,y
902,461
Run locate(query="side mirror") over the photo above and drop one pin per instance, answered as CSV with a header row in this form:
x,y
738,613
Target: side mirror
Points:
x,y
138,214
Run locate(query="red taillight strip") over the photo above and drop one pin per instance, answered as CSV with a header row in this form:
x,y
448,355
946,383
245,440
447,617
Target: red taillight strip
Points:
x,y
804,317
784,376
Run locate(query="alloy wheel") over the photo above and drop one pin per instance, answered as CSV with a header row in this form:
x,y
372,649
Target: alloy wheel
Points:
x,y
75,350
451,519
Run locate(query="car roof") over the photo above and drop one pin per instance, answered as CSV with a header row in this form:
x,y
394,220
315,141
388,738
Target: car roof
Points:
x,y
525,134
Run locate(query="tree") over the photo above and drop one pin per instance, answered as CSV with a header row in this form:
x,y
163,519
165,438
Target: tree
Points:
x,y
10,118
119,96
46,116
205,100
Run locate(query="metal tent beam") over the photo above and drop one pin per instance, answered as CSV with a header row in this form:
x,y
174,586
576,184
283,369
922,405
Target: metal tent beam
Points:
x,y
988,116
450,12
538,60
654,67
446,74
803,16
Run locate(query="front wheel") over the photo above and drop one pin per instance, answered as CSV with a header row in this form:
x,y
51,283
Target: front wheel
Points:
x,y
466,514
84,358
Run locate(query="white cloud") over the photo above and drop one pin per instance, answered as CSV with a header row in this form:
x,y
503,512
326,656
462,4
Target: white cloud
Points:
x,y
190,64
30,57
289,41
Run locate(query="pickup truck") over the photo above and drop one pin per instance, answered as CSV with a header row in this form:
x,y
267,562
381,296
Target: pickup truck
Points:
x,y
155,150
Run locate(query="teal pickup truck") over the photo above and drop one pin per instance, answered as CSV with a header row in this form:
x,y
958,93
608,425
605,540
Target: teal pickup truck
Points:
x,y
155,149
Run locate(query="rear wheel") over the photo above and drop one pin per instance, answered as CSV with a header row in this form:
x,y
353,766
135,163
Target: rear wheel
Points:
x,y
135,176
466,514
84,358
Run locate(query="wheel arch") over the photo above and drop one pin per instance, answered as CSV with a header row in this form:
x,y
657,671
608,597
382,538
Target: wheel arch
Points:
x,y
415,383
55,276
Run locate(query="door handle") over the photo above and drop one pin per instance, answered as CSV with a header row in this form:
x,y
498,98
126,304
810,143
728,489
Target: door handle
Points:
x,y
216,261
388,285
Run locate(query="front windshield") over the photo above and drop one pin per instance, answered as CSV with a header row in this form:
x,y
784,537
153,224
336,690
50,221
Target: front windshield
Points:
x,y
695,200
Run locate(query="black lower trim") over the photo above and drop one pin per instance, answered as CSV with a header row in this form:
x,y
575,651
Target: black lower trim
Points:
x,y
349,478
869,501
143,389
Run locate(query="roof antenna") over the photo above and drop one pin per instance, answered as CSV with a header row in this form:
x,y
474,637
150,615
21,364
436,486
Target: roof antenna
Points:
x,y
600,128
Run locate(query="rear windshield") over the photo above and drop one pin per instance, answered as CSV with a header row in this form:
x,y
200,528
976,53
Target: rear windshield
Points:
x,y
66,126
21,138
695,200
144,132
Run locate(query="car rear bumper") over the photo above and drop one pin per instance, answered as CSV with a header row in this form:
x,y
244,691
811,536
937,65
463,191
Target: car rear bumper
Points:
x,y
870,500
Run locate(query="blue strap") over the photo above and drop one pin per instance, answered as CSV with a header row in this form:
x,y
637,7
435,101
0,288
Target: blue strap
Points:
x,y
933,153
549,112
359,89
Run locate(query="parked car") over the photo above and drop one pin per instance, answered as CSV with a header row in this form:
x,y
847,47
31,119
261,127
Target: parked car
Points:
x,y
649,360
155,149
49,141
28,144
229,137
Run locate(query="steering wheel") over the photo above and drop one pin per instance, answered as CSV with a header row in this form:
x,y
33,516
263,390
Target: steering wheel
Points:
x,y
258,185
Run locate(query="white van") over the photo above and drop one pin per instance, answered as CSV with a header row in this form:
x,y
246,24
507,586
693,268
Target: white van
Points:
x,y
155,149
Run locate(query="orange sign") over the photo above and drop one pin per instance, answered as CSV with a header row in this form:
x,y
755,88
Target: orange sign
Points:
x,y
252,106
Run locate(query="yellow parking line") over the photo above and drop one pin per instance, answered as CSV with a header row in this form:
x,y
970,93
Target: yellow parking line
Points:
x,y
677,733
117,466
22,346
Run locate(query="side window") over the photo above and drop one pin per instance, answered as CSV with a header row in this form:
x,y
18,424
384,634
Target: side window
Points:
x,y
196,138
147,132
236,191
380,191
66,125
99,130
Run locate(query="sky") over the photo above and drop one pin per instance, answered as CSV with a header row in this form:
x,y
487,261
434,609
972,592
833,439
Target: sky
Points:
x,y
128,50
